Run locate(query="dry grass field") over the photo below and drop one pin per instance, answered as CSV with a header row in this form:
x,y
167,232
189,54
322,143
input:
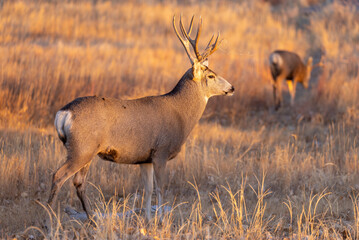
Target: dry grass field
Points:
x,y
246,171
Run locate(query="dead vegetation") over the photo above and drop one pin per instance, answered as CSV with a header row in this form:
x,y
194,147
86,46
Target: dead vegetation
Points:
x,y
246,171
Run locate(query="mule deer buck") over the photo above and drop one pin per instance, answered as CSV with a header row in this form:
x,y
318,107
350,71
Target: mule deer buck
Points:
x,y
147,131
288,66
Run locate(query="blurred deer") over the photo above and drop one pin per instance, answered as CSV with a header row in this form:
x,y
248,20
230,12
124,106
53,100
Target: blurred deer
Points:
x,y
288,66
147,131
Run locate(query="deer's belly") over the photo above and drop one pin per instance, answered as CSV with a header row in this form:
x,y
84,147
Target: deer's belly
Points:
x,y
114,155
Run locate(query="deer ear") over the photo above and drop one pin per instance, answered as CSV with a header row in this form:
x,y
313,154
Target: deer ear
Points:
x,y
205,62
197,71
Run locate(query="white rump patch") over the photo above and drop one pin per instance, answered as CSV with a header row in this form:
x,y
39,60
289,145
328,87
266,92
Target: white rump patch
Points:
x,y
63,123
275,58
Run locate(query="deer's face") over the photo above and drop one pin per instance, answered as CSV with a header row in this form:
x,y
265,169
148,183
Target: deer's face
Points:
x,y
214,84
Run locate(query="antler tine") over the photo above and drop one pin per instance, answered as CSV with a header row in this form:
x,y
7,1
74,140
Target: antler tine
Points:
x,y
194,42
184,33
210,42
199,56
216,44
190,26
184,43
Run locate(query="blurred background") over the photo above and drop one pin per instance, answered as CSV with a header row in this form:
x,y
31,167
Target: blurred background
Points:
x,y
55,51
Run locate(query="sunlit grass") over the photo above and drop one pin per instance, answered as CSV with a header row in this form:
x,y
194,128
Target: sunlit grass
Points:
x,y
245,170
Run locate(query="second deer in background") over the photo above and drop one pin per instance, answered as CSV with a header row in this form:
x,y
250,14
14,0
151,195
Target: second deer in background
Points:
x,y
288,66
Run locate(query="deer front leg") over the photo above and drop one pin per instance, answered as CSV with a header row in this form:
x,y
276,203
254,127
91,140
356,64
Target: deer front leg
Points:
x,y
291,88
160,170
277,94
147,178
274,93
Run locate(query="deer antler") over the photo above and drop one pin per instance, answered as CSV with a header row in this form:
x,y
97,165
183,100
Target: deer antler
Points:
x,y
185,43
211,48
194,42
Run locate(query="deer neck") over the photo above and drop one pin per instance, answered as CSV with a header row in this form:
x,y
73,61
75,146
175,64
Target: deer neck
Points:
x,y
190,100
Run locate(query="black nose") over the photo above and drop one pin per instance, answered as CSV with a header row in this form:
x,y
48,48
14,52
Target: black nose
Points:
x,y
232,89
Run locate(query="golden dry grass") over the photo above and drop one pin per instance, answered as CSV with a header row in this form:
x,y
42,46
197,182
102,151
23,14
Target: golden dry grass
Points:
x,y
246,171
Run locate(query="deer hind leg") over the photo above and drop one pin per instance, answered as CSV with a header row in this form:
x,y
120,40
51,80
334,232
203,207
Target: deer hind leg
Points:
x,y
80,184
147,178
68,169
291,88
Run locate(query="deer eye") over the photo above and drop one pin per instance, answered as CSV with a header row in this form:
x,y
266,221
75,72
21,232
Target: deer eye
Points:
x,y
211,76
